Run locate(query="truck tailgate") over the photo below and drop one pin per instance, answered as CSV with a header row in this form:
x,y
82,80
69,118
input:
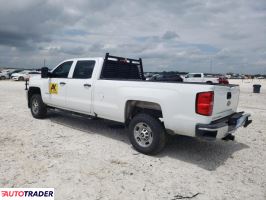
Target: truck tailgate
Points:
x,y
225,100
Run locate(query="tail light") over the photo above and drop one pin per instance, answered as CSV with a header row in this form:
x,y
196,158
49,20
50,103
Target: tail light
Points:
x,y
204,103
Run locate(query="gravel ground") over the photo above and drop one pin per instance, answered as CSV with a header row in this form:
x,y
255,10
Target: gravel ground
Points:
x,y
92,159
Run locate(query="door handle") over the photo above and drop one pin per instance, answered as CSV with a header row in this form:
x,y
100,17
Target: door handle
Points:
x,y
62,83
87,85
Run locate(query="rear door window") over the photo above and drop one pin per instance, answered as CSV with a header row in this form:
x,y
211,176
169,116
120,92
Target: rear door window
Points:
x,y
84,69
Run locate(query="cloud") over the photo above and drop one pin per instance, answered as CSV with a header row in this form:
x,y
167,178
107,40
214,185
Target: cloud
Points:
x,y
177,35
234,36
169,35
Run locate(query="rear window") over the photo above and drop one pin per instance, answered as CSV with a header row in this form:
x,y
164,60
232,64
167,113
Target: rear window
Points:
x,y
120,70
84,69
197,75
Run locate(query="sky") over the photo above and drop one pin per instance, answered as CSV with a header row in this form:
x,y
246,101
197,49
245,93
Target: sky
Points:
x,y
169,35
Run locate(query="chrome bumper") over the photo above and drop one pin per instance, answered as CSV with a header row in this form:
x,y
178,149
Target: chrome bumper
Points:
x,y
221,128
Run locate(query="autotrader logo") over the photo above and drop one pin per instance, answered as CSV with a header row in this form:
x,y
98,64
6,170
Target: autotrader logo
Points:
x,y
27,193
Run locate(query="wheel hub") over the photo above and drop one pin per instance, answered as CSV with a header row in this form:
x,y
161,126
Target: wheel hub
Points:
x,y
35,106
143,134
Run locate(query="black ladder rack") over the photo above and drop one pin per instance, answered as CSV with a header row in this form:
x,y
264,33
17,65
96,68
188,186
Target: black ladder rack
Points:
x,y
115,67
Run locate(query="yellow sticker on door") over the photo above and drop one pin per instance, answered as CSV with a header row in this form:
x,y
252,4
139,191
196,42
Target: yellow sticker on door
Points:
x,y
53,88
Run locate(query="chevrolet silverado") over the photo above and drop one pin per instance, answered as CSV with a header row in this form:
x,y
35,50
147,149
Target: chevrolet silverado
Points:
x,y
115,88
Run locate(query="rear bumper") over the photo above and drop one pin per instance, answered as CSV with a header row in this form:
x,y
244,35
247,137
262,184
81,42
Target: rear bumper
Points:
x,y
221,128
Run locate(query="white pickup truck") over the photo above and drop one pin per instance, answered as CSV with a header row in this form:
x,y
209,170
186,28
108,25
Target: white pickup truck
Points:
x,y
203,78
114,88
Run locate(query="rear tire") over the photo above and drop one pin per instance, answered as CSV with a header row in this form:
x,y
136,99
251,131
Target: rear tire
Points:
x,y
3,78
147,134
209,82
37,107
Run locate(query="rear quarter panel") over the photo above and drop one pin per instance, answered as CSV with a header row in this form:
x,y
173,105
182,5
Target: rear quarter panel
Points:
x,y
177,101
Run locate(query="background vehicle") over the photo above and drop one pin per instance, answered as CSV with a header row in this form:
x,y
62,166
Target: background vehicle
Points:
x,y
24,75
200,78
151,77
15,71
167,77
4,75
115,88
223,80
260,77
20,76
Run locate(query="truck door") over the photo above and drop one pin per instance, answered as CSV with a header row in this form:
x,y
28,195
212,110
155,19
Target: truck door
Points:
x,y
57,84
80,85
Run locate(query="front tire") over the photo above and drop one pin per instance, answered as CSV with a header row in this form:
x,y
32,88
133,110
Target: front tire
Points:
x,y
37,107
147,134
21,78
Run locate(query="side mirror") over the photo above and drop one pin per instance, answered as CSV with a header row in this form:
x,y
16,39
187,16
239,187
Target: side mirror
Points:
x,y
44,72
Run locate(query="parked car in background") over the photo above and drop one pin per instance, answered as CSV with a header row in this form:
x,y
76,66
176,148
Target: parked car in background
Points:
x,y
24,75
4,75
223,80
20,76
260,77
148,75
15,71
203,78
167,78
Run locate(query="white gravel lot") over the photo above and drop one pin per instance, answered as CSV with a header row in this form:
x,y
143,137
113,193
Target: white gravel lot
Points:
x,y
92,159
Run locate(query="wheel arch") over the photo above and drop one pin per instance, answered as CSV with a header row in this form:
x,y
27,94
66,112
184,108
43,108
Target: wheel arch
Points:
x,y
32,91
134,107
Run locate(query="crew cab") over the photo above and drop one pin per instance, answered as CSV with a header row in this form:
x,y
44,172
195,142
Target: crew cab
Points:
x,y
115,88
203,78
